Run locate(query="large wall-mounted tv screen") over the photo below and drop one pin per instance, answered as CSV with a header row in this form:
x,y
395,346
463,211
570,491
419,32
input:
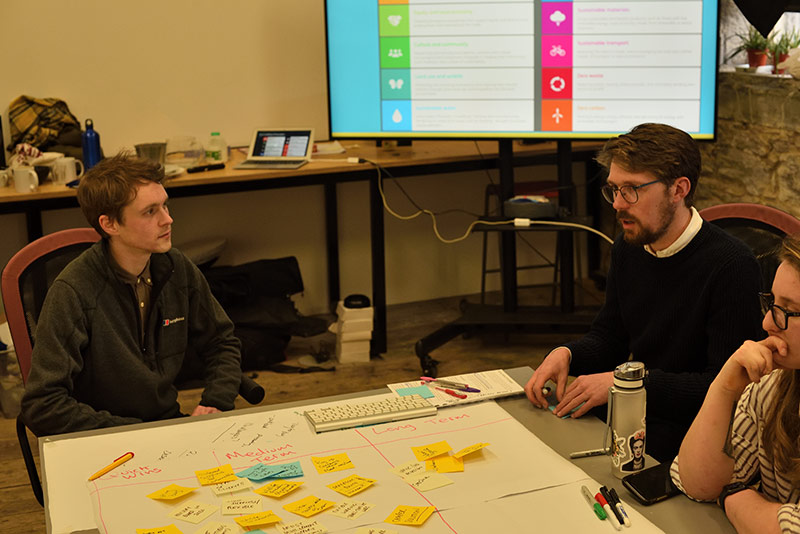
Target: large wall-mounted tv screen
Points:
x,y
485,68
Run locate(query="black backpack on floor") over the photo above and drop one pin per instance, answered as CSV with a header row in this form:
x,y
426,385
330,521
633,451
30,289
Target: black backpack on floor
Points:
x,y
257,298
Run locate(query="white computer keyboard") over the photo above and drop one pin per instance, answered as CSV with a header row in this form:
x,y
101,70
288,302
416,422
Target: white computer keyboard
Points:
x,y
369,413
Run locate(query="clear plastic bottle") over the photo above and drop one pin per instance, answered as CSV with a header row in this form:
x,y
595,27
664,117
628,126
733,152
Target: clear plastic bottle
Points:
x,y
627,405
216,149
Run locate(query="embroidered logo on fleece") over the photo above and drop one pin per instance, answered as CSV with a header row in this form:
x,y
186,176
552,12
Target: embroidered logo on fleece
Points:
x,y
168,322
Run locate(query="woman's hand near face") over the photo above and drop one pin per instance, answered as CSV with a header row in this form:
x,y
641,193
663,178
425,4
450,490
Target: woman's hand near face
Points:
x,y
749,363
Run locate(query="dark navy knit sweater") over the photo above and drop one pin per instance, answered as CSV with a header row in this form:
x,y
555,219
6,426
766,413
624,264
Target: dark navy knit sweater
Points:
x,y
681,315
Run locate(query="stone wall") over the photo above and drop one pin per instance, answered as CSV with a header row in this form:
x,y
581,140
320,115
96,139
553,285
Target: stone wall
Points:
x,y
756,157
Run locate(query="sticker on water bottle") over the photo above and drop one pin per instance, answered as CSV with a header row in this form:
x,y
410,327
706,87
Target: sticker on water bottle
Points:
x,y
630,448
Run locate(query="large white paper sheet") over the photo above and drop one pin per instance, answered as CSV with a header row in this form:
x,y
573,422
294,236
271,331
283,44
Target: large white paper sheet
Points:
x,y
515,463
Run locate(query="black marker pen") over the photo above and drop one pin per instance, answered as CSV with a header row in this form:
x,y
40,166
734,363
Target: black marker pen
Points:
x,y
209,167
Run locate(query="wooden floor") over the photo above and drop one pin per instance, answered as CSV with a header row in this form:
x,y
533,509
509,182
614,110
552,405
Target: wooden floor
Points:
x,y
20,513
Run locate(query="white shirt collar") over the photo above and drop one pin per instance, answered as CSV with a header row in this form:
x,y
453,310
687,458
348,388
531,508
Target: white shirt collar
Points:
x,y
684,239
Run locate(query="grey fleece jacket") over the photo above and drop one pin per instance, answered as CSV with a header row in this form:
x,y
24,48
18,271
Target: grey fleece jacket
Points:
x,y
90,368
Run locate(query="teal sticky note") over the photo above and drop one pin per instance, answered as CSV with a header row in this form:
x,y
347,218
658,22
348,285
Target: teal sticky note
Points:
x,y
422,391
552,408
260,472
290,470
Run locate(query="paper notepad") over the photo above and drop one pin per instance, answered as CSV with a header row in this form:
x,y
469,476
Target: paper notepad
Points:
x,y
492,385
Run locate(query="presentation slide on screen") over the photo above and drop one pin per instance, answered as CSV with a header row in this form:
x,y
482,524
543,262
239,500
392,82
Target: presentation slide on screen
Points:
x,y
586,68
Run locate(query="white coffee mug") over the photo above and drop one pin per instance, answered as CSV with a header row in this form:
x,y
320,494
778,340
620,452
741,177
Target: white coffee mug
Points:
x,y
25,180
64,169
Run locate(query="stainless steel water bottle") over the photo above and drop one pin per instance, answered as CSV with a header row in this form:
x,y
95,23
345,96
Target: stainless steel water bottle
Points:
x,y
90,140
627,405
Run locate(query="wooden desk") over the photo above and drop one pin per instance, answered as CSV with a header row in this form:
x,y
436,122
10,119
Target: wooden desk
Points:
x,y
423,157
66,500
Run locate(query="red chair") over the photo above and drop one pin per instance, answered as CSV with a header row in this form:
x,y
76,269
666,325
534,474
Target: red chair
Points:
x,y
25,281
761,227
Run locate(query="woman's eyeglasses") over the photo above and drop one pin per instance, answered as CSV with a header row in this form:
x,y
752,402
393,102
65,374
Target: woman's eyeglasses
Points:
x,y
780,316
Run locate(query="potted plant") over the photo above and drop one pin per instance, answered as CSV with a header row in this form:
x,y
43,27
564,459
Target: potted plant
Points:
x,y
755,45
779,48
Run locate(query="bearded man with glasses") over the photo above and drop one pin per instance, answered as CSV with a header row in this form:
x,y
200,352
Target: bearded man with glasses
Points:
x,y
681,294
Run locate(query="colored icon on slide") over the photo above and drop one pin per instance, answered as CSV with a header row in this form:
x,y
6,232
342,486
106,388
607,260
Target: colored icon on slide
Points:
x,y
556,115
556,51
557,17
396,115
557,83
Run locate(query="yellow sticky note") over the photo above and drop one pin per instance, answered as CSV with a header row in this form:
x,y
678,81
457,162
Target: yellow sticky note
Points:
x,y
169,529
351,485
329,464
469,450
426,452
304,526
193,511
351,509
215,527
428,481
260,518
233,486
249,504
446,464
410,515
309,506
216,475
173,491
278,488
408,469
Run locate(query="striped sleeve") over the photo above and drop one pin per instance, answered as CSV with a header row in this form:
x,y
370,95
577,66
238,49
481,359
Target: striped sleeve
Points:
x,y
789,519
745,439
676,479
745,432
774,486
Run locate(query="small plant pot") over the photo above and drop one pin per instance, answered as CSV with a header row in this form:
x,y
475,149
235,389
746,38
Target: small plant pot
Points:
x,y
756,58
779,59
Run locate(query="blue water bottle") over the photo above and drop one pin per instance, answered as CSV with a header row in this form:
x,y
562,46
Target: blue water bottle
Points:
x,y
91,145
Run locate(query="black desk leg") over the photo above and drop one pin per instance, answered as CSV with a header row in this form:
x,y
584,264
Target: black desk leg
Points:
x,y
33,221
508,241
565,238
378,345
332,243
508,270
594,205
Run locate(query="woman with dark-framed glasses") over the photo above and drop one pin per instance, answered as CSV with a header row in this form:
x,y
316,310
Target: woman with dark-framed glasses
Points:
x,y
743,448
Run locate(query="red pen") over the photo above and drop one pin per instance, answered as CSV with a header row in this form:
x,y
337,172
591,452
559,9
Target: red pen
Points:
x,y
453,393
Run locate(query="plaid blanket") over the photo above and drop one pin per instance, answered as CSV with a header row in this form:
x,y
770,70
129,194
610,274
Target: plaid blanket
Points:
x,y
39,121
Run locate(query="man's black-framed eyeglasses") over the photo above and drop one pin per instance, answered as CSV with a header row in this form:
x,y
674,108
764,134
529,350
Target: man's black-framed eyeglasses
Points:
x,y
780,316
630,193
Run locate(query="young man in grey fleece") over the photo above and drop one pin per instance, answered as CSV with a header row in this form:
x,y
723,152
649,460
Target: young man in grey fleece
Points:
x,y
118,320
